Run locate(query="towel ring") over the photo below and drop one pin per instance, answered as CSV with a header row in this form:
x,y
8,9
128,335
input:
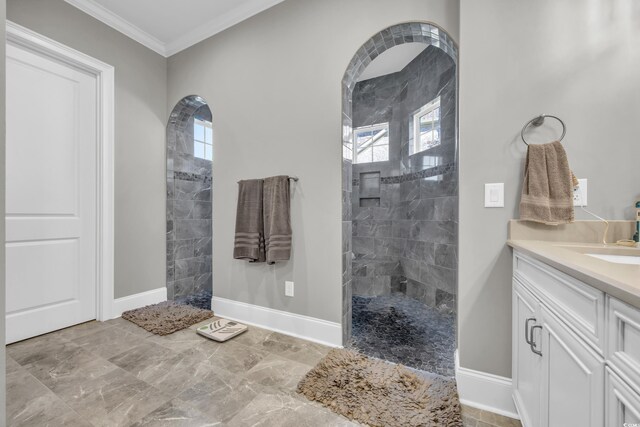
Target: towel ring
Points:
x,y
538,121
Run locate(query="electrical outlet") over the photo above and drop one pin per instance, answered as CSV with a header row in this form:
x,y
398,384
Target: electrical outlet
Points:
x,y
288,289
580,193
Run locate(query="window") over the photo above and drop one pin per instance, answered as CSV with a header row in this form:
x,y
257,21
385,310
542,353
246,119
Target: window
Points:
x,y
426,127
371,143
202,139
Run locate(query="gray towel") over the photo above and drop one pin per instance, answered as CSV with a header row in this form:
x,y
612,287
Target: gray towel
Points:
x,y
277,218
249,238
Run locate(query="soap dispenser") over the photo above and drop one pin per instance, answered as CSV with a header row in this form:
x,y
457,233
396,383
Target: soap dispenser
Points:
x,y
636,236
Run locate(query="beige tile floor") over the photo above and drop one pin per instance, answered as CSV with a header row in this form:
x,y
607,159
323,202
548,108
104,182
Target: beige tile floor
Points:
x,y
117,374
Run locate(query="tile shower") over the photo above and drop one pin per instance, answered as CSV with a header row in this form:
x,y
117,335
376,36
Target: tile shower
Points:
x,y
189,208
400,215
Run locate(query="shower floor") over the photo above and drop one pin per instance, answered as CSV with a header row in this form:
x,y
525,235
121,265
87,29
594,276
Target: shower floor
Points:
x,y
201,299
402,330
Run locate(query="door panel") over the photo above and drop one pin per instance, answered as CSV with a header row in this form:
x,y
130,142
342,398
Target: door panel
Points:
x,y
44,137
54,269
51,203
623,403
526,364
572,377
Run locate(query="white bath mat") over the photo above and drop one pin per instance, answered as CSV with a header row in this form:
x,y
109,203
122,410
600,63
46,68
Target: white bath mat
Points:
x,y
222,330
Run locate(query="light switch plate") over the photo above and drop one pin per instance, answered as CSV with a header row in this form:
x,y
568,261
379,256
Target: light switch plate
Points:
x,y
494,195
288,289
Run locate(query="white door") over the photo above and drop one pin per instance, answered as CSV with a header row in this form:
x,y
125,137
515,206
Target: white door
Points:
x,y
572,377
526,364
51,224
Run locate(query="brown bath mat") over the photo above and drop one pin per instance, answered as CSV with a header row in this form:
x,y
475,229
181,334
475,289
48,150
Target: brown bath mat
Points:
x,y
378,393
166,317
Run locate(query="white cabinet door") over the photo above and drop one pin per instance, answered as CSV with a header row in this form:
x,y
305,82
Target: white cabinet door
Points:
x,y
526,364
572,377
623,403
51,184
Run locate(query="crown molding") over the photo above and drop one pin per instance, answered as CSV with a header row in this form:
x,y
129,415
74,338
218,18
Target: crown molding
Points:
x,y
219,24
104,15
194,36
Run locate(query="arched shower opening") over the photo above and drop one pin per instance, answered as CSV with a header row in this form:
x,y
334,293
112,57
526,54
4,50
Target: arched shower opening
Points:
x,y
189,202
400,199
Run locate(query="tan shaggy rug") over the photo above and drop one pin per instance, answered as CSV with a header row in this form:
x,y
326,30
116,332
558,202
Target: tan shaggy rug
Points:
x,y
166,317
378,393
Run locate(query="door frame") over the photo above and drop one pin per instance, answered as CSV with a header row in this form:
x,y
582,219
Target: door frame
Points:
x,y
22,37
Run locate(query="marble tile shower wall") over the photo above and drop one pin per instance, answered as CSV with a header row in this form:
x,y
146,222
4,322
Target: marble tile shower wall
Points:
x,y
408,243
189,210
347,253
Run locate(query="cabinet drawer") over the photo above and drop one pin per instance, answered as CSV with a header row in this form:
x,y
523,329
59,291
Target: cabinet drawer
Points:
x,y
623,340
579,305
623,403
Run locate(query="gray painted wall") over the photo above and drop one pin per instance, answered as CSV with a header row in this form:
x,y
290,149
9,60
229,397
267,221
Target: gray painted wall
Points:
x,y
3,9
140,117
273,84
578,60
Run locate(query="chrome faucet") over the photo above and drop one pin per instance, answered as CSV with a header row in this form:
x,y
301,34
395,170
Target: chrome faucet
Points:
x,y
636,236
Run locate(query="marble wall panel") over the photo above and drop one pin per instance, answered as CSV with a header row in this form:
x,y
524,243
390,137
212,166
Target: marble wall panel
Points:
x,y
414,228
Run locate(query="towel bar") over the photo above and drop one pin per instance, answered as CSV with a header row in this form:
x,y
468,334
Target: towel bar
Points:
x,y
538,121
294,178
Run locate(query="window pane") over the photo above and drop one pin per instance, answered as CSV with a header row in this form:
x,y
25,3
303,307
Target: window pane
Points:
x,y
363,138
366,139
381,154
428,133
427,117
208,152
208,135
364,156
347,153
198,149
198,131
382,138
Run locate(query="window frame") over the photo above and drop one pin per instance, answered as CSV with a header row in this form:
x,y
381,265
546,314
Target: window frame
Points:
x,y
373,127
417,115
207,144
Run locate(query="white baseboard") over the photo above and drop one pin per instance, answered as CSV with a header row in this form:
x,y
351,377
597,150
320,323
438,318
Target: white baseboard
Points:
x,y
485,391
305,327
154,296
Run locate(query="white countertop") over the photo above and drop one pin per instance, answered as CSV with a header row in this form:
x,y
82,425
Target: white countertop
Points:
x,y
621,281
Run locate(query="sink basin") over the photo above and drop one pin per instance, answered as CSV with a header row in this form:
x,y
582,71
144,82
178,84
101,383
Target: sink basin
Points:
x,y
618,259
609,253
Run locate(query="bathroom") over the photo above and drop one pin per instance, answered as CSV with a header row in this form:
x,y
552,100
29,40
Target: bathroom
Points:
x,y
374,242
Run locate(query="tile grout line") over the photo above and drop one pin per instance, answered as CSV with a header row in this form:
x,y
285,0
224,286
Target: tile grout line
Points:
x,y
65,404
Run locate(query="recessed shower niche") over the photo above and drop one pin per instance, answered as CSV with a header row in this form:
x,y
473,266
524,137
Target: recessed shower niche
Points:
x,y
189,203
400,198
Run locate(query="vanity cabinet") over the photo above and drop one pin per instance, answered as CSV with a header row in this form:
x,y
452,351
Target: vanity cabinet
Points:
x,y
576,351
526,364
622,402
